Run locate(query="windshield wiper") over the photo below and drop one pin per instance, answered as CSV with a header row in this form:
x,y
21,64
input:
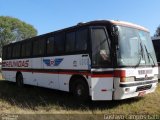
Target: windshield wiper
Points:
x,y
149,55
141,55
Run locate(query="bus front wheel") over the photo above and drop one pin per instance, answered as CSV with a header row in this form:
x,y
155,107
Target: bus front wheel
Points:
x,y
80,90
19,80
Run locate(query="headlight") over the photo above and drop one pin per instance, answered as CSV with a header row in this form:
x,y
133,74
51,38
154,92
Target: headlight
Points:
x,y
127,79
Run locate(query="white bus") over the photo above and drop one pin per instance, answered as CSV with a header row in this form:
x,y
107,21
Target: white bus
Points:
x,y
156,44
104,60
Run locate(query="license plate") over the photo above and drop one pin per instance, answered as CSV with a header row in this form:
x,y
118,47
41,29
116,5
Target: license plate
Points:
x,y
142,93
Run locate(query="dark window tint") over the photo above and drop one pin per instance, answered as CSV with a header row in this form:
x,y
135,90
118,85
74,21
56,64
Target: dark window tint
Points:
x,y
39,47
36,47
50,45
100,48
16,51
26,49
23,50
59,42
81,39
70,42
4,53
156,44
9,52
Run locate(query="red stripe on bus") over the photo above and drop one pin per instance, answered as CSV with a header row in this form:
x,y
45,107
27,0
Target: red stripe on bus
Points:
x,y
119,73
101,75
83,73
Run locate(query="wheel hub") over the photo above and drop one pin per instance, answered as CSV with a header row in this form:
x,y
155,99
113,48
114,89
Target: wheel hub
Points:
x,y
79,92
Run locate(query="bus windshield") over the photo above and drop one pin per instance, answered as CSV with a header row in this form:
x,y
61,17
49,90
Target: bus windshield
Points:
x,y
135,48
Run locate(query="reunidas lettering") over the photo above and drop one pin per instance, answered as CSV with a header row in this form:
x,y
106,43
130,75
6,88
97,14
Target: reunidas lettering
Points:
x,y
19,63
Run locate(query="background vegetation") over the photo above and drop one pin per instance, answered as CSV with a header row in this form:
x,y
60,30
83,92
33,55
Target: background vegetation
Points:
x,y
13,29
157,33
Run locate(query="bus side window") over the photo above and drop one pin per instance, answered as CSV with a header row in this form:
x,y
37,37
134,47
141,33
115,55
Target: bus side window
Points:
x,y
23,50
28,48
42,47
50,45
39,47
9,52
16,50
35,47
4,53
81,39
70,41
59,42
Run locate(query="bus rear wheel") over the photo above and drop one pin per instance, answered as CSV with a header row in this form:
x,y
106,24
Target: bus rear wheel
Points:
x,y
19,80
80,90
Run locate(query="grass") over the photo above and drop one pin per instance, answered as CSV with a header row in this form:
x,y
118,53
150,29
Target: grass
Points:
x,y
35,100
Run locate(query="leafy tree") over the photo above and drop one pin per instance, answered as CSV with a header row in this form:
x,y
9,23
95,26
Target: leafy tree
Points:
x,y
157,32
13,29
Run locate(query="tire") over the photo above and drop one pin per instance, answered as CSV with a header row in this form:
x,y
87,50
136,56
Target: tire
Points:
x,y
19,80
80,90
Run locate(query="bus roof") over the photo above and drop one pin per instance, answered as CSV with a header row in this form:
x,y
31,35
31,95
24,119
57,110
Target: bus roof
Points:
x,y
115,22
128,24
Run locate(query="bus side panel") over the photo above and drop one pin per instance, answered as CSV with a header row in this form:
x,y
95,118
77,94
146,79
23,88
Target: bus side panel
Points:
x,y
41,77
75,62
28,78
11,67
13,76
37,63
64,82
72,64
47,80
102,88
9,75
5,74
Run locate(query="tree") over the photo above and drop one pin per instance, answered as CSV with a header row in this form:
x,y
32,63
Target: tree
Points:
x,y
157,32
13,29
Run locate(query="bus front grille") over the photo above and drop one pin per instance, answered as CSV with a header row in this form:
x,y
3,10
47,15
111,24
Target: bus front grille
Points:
x,y
143,79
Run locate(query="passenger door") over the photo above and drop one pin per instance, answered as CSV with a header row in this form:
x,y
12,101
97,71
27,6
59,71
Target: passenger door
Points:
x,y
102,70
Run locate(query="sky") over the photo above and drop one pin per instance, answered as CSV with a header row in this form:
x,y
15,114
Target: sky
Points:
x,y
50,15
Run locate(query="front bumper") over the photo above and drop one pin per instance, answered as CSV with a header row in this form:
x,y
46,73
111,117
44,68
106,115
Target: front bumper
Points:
x,y
129,90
